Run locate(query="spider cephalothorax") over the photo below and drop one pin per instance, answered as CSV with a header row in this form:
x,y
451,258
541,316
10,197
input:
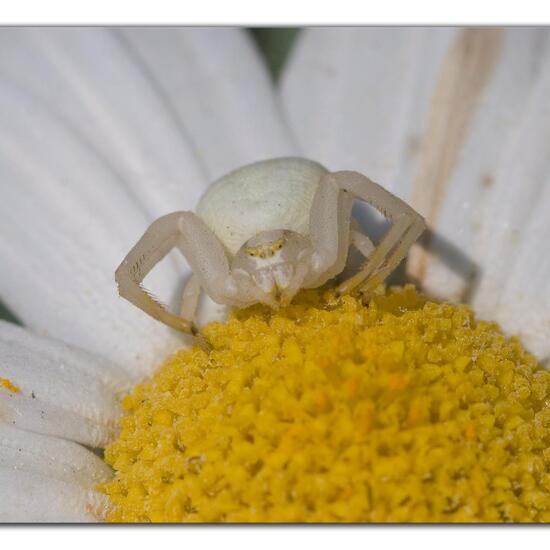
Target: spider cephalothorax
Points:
x,y
266,230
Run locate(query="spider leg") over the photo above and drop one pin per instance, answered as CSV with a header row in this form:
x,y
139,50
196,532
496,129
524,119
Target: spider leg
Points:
x,y
360,240
201,248
190,298
329,231
188,308
397,255
407,226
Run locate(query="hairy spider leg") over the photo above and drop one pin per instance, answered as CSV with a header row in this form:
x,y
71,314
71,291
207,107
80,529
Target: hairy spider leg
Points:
x,y
407,226
201,248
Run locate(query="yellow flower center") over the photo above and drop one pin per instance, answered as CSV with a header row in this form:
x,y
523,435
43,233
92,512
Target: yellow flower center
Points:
x,y
330,411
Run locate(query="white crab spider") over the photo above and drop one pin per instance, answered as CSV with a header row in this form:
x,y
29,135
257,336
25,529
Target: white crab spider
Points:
x,y
266,230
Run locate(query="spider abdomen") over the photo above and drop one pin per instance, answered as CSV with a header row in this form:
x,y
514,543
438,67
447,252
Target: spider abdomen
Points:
x,y
267,195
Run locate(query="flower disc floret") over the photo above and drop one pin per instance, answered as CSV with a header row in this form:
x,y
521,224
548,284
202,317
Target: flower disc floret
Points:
x,y
404,410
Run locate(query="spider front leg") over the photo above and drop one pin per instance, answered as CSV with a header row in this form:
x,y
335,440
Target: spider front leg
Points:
x,y
407,226
329,231
204,253
190,298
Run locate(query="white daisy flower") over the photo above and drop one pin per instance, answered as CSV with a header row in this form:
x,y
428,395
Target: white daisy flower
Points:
x,y
104,130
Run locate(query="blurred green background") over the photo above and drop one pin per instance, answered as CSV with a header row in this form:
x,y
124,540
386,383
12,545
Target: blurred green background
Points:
x,y
274,44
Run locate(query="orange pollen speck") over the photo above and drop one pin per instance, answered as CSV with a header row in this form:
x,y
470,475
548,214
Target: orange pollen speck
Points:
x,y
5,383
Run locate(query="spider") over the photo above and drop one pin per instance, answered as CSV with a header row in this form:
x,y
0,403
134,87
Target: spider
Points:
x,y
266,230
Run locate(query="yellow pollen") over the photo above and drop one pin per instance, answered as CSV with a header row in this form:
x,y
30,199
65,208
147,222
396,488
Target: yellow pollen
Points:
x,y
5,383
265,250
404,410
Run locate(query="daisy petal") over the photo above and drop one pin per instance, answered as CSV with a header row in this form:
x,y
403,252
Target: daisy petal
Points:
x,y
45,418
68,216
525,305
28,497
48,479
522,225
51,457
522,178
478,112
67,357
92,84
53,395
357,98
219,90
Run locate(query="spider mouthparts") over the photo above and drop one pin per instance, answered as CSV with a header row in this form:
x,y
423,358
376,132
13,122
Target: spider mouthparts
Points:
x,y
280,297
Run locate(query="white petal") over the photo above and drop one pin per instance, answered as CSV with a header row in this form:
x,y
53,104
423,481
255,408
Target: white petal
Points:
x,y
33,498
23,451
89,80
519,191
88,157
66,357
357,98
477,114
48,479
523,306
31,415
219,90
57,396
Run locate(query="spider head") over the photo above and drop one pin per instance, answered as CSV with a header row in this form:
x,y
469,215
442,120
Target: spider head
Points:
x,y
272,266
